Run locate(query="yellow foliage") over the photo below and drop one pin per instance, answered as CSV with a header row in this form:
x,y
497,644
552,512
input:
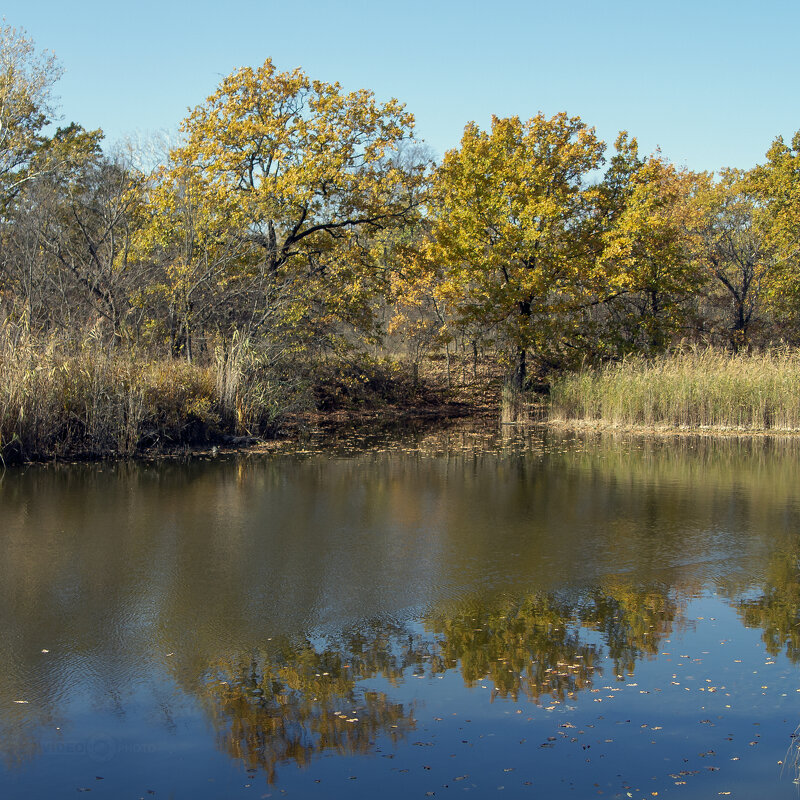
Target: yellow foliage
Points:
x,y
508,214
280,186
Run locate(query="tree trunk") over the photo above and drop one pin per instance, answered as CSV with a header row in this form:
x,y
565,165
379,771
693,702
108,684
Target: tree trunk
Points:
x,y
520,372
739,332
188,343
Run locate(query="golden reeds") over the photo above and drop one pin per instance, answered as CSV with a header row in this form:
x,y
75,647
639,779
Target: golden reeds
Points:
x,y
65,400
692,388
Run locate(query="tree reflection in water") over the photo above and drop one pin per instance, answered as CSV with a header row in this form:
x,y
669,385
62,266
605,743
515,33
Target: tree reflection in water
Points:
x,y
294,700
776,610
594,543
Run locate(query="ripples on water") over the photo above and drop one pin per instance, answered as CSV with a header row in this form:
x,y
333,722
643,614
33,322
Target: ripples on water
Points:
x,y
521,612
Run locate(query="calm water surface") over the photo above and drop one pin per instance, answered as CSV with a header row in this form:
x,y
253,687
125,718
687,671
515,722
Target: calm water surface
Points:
x,y
520,614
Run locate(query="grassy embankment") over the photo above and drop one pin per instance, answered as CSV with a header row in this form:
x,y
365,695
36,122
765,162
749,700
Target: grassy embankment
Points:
x,y
690,389
85,401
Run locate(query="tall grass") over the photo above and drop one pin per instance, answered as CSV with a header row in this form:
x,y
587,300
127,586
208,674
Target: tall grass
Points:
x,y
692,388
61,400
513,408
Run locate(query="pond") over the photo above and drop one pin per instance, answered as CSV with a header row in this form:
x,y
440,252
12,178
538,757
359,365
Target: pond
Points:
x,y
511,612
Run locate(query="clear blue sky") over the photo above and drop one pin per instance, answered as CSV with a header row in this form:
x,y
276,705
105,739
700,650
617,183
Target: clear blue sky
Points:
x,y
712,82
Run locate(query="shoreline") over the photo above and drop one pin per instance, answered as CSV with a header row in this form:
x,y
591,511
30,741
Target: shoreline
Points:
x,y
319,423
666,430
293,432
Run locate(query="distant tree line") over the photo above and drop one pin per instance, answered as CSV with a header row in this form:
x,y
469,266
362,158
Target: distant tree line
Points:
x,y
298,215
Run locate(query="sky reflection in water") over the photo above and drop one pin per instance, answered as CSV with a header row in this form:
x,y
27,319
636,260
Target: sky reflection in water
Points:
x,y
529,614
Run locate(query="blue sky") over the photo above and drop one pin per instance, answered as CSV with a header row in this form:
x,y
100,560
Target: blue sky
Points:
x,y
711,82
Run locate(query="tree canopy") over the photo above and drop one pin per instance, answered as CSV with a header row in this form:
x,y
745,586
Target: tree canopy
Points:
x,y
288,180
508,223
309,218
26,104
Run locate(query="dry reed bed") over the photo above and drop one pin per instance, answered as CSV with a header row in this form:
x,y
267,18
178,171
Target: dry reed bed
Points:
x,y
59,400
695,388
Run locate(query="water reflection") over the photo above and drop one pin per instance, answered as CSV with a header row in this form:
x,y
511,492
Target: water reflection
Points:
x,y
776,606
295,699
536,644
292,598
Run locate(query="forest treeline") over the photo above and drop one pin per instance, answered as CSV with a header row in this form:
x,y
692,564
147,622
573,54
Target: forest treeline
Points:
x,y
296,225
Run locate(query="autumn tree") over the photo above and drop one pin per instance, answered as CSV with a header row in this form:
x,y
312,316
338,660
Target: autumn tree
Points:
x,y
776,186
40,298
65,255
63,204
647,258
305,174
199,250
602,330
88,228
735,246
26,105
508,213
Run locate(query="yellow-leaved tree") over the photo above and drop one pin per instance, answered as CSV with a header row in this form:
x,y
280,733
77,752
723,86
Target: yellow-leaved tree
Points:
x,y
648,257
509,234
776,185
204,281
276,196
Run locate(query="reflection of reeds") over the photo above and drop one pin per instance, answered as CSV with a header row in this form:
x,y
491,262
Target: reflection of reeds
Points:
x,y
792,757
692,388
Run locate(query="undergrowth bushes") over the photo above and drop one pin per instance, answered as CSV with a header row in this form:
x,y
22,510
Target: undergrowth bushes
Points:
x,y
691,388
365,382
60,400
